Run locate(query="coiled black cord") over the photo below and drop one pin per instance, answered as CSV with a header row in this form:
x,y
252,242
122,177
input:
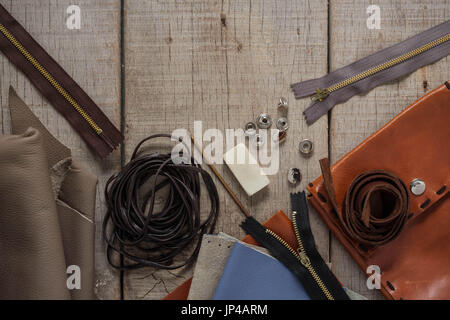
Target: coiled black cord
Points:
x,y
148,238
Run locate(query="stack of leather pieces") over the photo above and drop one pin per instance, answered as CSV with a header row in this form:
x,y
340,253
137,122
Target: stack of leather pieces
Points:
x,y
47,213
369,201
278,223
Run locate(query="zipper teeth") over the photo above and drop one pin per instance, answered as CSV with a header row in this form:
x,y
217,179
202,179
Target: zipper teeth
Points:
x,y
283,242
389,64
308,266
50,79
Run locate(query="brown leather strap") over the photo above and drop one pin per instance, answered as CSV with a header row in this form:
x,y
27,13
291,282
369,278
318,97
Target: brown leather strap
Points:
x,y
375,206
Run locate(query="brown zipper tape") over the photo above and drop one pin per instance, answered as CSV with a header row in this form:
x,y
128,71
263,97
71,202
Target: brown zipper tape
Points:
x,y
57,86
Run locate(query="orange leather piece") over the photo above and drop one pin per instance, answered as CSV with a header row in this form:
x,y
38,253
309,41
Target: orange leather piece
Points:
x,y
413,145
279,223
181,292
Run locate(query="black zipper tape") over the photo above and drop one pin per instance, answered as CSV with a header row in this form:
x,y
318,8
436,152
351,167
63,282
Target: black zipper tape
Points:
x,y
299,205
285,255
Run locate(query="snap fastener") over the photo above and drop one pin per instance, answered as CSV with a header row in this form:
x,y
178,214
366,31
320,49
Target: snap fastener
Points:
x,y
283,103
282,124
250,128
417,187
294,175
306,146
264,121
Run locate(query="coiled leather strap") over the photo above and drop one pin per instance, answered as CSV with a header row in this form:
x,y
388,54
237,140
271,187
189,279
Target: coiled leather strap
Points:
x,y
375,207
145,237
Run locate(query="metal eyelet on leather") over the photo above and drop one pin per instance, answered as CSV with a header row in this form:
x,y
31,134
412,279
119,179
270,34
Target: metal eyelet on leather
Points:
x,y
417,187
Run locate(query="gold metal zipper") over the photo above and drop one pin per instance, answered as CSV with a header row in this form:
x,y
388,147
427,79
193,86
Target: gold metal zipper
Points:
x,y
50,79
322,94
301,255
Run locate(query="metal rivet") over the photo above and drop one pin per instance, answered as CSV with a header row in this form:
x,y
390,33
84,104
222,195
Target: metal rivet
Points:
x,y
306,146
282,124
264,121
250,128
283,103
417,187
294,175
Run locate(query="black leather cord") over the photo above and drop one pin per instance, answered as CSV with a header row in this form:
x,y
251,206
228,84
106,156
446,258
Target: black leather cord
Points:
x,y
133,228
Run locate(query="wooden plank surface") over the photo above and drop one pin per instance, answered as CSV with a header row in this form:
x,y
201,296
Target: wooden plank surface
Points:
x,y
224,63
91,56
221,62
353,121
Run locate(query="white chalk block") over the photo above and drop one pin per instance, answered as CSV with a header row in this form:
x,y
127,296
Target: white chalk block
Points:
x,y
245,169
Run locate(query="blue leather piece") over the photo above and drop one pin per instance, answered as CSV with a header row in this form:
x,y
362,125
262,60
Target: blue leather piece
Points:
x,y
252,275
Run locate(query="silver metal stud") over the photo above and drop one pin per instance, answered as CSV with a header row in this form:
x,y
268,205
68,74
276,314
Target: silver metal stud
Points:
x,y
283,103
282,124
306,146
250,128
294,175
264,121
417,187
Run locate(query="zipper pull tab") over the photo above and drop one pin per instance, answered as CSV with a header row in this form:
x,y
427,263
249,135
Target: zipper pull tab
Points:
x,y
304,258
320,94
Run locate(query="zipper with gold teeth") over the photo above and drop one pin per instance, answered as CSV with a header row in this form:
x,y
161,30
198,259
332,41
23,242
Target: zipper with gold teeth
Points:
x,y
50,79
63,93
302,256
323,93
379,68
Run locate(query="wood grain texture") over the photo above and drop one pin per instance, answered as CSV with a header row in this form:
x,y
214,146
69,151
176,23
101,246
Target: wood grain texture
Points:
x,y
224,63
353,121
91,56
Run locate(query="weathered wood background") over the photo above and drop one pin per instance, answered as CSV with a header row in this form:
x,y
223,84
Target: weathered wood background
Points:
x,y
221,62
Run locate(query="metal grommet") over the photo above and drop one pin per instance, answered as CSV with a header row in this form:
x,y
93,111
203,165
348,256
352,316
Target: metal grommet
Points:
x,y
294,175
250,128
259,140
306,146
283,103
264,121
417,187
282,124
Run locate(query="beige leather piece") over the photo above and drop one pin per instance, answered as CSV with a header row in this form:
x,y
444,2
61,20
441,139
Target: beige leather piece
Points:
x,y
68,200
32,263
78,241
22,118
78,189
76,210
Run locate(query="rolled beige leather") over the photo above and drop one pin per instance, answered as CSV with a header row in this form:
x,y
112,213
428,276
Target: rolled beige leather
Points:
x,y
47,213
32,265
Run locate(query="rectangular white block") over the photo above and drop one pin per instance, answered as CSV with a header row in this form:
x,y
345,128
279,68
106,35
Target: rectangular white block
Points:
x,y
246,169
